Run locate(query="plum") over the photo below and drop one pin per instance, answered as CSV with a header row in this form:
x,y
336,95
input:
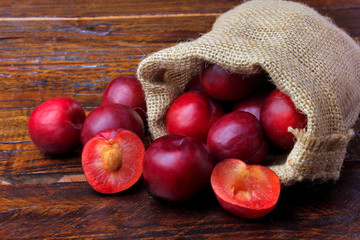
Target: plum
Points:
x,y
54,126
109,116
177,168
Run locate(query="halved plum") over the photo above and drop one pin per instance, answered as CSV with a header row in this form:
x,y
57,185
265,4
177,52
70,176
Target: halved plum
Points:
x,y
112,160
248,191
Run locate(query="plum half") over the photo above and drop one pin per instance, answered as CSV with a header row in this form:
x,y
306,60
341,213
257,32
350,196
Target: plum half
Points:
x,y
113,160
248,191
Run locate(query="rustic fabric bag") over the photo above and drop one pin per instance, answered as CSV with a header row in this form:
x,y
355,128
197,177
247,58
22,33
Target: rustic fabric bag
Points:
x,y
306,55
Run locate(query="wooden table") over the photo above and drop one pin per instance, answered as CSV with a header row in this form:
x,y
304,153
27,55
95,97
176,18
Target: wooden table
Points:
x,y
74,48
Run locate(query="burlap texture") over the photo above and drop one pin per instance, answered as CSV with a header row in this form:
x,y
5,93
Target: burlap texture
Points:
x,y
305,54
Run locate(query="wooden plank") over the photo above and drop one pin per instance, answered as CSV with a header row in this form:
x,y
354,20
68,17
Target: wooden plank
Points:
x,y
74,210
80,8
132,28
74,48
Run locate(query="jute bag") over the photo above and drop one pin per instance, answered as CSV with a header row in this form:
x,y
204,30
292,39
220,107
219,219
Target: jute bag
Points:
x,y
307,56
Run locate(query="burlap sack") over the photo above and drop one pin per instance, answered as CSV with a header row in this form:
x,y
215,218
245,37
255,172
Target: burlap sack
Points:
x,y
307,56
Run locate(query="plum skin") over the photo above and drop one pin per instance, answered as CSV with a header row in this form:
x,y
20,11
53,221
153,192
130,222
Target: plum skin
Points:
x,y
54,126
277,115
251,104
192,114
109,116
219,84
194,85
235,135
126,90
177,168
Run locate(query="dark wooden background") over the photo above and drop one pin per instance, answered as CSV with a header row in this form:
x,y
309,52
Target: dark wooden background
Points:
x,y
74,48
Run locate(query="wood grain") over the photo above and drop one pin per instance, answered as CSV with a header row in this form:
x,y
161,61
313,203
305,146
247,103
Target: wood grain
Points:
x,y
64,210
82,8
74,48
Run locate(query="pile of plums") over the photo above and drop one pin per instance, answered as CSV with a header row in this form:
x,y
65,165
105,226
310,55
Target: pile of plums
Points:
x,y
221,129
111,135
220,132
